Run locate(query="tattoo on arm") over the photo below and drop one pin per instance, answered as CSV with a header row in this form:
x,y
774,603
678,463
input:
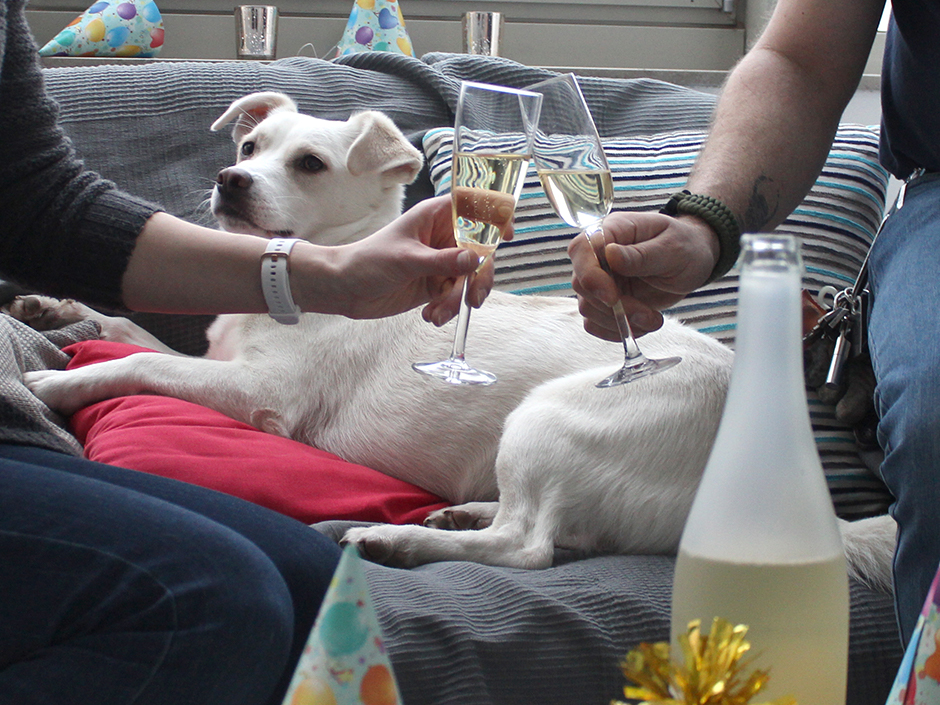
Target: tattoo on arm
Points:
x,y
762,207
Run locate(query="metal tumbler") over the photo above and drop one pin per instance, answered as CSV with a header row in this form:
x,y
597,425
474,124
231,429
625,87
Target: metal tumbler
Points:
x,y
256,31
482,32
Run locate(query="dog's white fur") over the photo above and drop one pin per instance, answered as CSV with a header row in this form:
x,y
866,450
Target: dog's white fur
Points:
x,y
572,466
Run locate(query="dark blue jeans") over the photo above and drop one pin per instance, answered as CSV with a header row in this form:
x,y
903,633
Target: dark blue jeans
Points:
x,y
905,349
122,587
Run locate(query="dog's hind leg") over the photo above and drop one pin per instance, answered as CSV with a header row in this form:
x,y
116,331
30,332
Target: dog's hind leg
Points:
x,y
510,543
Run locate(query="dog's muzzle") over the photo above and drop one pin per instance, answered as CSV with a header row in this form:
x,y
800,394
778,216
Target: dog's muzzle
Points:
x,y
233,183
232,204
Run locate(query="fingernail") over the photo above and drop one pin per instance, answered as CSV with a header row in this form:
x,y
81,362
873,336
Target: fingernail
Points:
x,y
466,260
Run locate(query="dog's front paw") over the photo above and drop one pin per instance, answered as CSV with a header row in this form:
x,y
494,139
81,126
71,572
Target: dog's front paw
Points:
x,y
46,313
379,544
57,390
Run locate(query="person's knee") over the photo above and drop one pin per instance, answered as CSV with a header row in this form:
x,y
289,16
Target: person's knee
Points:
x,y
233,621
232,584
906,398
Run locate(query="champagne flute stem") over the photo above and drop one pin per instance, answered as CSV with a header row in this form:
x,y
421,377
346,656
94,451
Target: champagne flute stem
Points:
x,y
463,321
631,350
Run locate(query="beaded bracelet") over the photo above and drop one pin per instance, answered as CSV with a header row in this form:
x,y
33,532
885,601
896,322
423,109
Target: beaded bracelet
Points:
x,y
721,220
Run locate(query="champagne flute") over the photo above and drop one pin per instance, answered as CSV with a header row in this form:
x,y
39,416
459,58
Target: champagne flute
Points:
x,y
571,164
493,132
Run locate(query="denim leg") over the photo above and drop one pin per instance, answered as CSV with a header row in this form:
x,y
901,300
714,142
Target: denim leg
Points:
x,y
304,558
905,348
120,587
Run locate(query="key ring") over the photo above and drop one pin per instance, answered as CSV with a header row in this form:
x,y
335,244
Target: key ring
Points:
x,y
825,293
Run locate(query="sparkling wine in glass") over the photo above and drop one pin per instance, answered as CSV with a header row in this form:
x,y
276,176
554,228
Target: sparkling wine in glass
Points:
x,y
493,132
573,169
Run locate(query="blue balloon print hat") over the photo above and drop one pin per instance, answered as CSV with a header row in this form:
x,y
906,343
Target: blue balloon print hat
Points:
x,y
345,661
375,25
112,28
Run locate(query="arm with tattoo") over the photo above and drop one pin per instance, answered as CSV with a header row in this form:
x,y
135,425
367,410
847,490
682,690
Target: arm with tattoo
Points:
x,y
771,133
762,207
780,108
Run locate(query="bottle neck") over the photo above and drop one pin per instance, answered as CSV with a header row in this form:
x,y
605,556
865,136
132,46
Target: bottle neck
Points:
x,y
768,367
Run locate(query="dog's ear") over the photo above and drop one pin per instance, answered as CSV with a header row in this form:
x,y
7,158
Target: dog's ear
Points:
x,y
381,147
251,110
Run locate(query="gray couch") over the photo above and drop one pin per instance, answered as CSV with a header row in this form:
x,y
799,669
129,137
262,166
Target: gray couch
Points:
x,y
456,633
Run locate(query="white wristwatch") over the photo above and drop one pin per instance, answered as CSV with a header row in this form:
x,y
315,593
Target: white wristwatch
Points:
x,y
275,280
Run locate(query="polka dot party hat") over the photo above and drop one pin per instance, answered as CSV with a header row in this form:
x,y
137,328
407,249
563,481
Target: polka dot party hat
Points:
x,y
113,28
344,661
375,25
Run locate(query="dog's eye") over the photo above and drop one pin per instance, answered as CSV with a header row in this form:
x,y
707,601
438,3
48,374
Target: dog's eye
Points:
x,y
248,149
312,164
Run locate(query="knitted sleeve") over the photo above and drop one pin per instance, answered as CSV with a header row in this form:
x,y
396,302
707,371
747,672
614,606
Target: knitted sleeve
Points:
x,y
64,231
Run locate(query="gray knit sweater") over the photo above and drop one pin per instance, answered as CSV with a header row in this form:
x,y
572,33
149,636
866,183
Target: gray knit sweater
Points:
x,y
64,231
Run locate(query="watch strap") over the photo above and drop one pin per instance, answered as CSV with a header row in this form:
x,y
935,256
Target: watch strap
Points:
x,y
275,280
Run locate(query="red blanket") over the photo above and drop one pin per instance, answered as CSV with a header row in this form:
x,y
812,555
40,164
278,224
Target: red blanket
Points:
x,y
188,442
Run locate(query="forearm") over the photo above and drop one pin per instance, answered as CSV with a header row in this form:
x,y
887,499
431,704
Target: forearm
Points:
x,y
780,109
768,143
178,267
185,268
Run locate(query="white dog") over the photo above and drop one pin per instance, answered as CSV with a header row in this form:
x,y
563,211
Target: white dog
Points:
x,y
571,465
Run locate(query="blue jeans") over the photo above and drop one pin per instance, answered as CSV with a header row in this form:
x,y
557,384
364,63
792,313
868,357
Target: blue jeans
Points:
x,y
122,587
905,349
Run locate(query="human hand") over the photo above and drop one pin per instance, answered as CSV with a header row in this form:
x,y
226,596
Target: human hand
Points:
x,y
655,261
414,260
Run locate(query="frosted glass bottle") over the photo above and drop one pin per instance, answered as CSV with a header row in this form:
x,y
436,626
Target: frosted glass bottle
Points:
x,y
761,545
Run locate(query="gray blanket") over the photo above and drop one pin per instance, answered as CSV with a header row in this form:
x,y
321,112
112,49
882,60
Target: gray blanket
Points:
x,y
160,113
23,418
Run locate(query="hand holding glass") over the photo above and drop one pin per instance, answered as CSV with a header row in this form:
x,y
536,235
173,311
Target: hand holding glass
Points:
x,y
571,164
493,133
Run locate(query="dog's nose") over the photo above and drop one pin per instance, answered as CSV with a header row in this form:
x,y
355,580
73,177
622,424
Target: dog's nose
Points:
x,y
233,180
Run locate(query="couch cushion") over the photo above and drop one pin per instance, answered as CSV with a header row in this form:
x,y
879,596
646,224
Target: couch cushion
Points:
x,y
478,635
835,224
184,441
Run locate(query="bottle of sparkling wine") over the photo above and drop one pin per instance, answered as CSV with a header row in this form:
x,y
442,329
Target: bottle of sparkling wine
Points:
x,y
761,546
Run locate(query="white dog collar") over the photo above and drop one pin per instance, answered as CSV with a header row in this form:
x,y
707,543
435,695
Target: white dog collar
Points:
x,y
275,280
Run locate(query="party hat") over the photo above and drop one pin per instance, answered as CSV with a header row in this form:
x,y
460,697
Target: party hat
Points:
x,y
344,662
111,28
375,25
918,679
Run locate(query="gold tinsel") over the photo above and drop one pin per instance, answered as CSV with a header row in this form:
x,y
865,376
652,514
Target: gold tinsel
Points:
x,y
713,671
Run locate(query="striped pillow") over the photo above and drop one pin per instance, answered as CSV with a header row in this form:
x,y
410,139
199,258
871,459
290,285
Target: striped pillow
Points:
x,y
835,224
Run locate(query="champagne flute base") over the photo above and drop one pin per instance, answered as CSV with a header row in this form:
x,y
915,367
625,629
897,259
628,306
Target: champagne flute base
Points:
x,y
635,369
456,372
